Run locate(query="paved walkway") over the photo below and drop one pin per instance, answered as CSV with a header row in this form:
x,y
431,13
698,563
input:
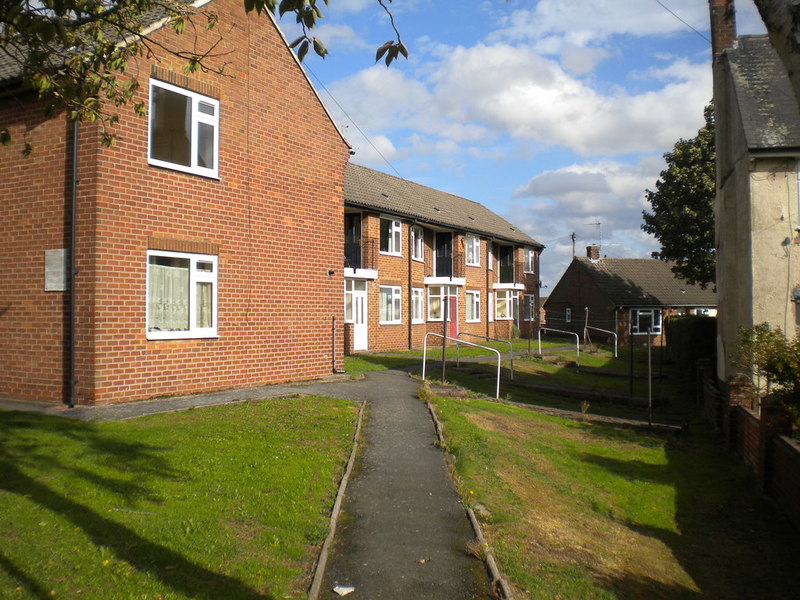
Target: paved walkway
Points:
x,y
402,533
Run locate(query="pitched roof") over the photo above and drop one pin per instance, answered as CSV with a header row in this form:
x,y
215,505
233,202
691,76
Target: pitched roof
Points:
x,y
367,188
766,101
644,282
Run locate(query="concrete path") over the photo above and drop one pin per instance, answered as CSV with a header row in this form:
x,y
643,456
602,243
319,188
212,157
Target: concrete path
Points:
x,y
403,533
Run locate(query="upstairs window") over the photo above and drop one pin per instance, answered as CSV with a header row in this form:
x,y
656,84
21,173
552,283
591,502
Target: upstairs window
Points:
x,y
473,244
530,261
391,230
184,130
417,243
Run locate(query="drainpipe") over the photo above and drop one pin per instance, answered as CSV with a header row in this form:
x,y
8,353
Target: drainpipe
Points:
x,y
73,271
410,293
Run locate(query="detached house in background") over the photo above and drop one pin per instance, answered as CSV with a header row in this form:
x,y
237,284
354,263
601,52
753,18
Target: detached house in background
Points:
x,y
415,255
207,241
756,212
628,296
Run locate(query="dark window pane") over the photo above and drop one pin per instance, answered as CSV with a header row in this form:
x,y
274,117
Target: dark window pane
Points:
x,y
170,127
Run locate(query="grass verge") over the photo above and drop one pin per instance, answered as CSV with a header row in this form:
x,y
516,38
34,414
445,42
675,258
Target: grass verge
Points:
x,y
576,511
225,502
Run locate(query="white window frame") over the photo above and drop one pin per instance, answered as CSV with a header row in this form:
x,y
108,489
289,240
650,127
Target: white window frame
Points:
x,y
417,243
395,307
195,277
197,118
349,290
473,305
444,292
472,245
490,308
653,312
395,240
508,296
489,256
417,305
529,262
529,308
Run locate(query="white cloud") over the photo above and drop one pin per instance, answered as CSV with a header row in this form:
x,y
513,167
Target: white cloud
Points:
x,y
373,152
339,37
524,95
574,199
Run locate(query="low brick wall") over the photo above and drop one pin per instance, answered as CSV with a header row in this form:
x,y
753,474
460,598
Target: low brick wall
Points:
x,y
760,439
785,481
744,433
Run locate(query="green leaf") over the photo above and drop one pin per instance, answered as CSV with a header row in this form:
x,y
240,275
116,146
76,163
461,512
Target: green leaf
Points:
x,y
297,41
319,48
301,53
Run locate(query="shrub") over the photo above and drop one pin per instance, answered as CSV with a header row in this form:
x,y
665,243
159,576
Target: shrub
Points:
x,y
774,362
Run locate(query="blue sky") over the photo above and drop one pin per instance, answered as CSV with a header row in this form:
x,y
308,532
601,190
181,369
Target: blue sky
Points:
x,y
555,114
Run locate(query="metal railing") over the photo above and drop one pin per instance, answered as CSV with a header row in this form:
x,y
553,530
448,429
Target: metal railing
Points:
x,y
577,341
446,266
491,339
609,332
361,255
444,337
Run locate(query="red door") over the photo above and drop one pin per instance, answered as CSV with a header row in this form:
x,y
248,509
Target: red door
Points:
x,y
452,303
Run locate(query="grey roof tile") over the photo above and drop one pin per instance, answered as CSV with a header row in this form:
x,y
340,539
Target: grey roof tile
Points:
x,y
766,101
372,189
645,282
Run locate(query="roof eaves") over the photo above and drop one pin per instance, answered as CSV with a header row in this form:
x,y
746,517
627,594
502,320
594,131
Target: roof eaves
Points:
x,y
441,223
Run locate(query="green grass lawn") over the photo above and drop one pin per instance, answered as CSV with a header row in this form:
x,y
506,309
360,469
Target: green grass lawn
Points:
x,y
576,511
229,502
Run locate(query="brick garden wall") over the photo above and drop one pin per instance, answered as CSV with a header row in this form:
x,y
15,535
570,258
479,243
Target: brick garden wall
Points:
x,y
274,215
760,439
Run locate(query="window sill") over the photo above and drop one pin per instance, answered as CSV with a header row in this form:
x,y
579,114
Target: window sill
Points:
x,y
180,335
205,173
390,322
397,254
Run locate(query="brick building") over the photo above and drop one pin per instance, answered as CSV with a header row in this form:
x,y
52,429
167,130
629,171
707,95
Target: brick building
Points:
x,y
415,256
625,295
207,240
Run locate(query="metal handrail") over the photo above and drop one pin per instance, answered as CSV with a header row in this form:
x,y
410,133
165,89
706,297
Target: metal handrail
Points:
x,y
444,337
606,331
491,339
577,341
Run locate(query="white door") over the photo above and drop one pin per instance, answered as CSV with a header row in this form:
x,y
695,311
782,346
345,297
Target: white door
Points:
x,y
355,311
360,316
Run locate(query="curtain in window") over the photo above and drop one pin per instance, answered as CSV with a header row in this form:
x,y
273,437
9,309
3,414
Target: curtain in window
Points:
x,y
204,303
168,302
386,305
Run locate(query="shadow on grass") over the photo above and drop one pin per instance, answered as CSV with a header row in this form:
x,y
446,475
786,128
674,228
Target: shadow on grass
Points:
x,y
20,455
730,542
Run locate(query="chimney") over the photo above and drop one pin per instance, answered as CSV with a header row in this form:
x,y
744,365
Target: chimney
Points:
x,y
723,26
593,252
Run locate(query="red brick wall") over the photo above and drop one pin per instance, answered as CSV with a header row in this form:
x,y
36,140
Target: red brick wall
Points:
x,y
275,214
785,483
399,270
745,435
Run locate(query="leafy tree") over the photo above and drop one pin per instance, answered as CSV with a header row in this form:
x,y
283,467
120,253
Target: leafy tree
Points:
x,y
683,206
74,53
